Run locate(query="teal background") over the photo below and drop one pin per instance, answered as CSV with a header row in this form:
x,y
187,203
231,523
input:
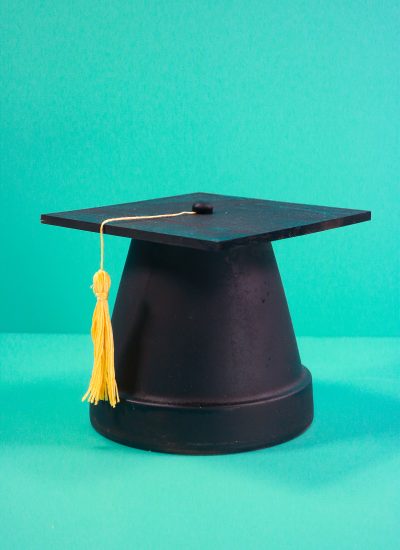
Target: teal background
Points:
x,y
108,102
115,101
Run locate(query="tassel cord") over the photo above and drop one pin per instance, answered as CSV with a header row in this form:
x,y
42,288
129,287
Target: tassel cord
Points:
x,y
132,218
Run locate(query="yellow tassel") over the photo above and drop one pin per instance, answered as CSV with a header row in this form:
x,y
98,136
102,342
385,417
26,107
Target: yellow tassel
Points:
x,y
102,384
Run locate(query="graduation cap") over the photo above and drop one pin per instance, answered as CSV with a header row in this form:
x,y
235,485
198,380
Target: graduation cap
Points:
x,y
200,356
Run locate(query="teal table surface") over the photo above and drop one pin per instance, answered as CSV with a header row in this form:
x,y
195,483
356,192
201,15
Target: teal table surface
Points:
x,y
64,486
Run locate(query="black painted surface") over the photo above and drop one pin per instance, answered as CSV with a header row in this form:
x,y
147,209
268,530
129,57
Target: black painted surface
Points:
x,y
205,354
207,430
206,357
234,221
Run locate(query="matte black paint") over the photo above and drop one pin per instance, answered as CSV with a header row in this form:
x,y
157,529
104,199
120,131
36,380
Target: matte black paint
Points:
x,y
206,357
235,220
205,354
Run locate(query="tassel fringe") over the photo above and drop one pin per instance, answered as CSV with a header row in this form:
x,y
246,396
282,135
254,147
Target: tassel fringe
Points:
x,y
102,385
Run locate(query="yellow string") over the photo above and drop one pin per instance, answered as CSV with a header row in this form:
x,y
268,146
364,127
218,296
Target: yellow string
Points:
x,y
103,385
132,218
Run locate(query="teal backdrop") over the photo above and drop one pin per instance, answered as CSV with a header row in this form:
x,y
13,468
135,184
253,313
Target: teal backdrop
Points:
x,y
110,102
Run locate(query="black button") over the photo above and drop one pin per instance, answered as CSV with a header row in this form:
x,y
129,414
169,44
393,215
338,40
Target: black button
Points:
x,y
202,208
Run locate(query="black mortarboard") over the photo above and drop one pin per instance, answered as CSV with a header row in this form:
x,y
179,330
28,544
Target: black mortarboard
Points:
x,y
206,360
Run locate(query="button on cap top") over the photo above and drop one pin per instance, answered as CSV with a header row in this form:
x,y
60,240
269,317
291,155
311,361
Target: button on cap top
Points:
x,y
202,208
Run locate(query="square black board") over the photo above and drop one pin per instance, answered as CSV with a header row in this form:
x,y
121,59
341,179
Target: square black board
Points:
x,y
235,220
